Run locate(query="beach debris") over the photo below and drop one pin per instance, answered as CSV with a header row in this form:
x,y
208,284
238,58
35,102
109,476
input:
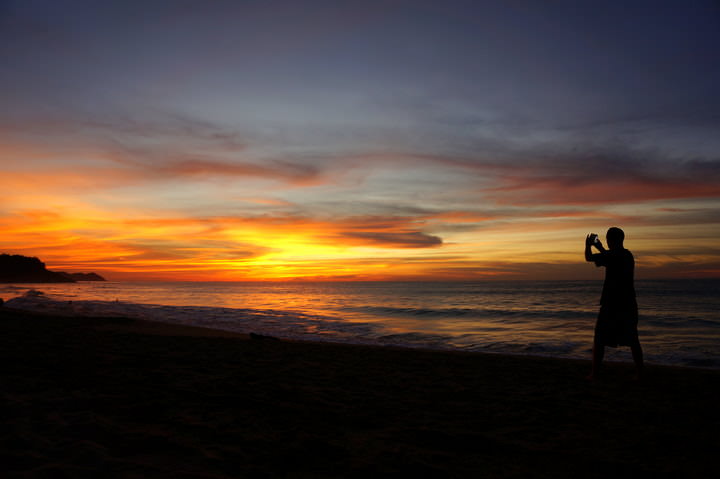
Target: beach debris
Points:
x,y
263,337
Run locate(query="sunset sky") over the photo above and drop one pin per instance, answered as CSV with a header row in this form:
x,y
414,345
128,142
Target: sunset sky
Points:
x,y
263,139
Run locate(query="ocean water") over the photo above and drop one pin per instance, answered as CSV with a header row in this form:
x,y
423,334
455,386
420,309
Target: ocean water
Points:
x,y
679,319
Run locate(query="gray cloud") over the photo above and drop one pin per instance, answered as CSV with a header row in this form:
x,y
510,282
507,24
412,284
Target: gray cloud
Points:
x,y
413,239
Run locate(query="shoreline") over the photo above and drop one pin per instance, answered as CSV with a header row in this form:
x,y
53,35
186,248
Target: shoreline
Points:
x,y
164,327
502,320
133,398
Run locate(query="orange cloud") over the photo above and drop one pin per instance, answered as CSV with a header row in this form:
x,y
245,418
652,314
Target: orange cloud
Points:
x,y
154,166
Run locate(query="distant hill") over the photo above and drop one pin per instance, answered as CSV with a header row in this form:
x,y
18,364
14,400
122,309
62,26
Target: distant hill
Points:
x,y
24,269
83,276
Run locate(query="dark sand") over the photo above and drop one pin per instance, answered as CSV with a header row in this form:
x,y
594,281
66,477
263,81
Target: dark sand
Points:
x,y
94,398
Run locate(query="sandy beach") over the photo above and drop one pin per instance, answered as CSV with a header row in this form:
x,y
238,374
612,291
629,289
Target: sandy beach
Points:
x,y
102,397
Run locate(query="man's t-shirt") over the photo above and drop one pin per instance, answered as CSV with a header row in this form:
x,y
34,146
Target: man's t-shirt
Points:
x,y
618,289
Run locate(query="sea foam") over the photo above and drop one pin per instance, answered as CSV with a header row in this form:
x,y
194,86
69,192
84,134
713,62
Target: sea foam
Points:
x,y
284,324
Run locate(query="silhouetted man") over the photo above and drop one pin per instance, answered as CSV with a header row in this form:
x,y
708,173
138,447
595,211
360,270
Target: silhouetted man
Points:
x,y
617,321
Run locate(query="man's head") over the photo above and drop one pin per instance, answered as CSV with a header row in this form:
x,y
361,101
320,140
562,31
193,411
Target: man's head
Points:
x,y
615,237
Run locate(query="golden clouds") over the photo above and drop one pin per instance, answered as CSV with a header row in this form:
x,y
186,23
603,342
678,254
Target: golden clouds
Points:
x,y
229,248
451,245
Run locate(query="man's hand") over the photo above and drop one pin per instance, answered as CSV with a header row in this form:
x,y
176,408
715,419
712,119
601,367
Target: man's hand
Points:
x,y
593,240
